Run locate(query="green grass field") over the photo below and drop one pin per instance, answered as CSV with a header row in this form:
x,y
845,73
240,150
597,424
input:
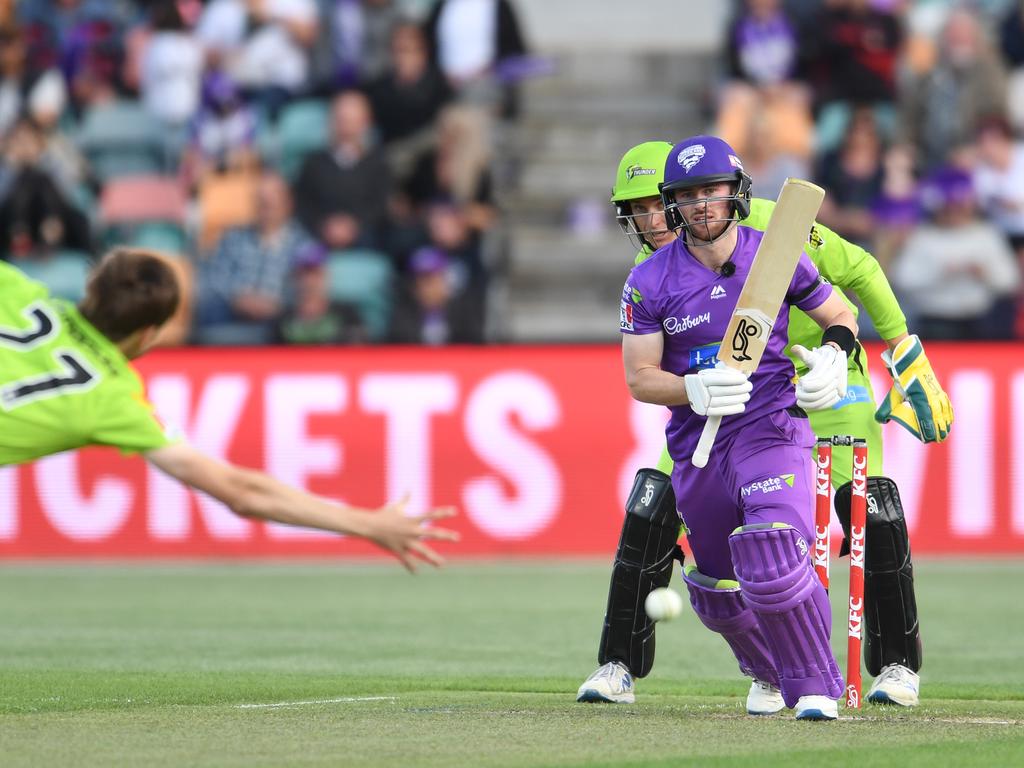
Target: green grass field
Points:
x,y
477,665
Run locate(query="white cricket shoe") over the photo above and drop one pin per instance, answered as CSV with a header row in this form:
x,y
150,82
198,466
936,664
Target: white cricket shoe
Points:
x,y
764,699
895,684
816,708
612,683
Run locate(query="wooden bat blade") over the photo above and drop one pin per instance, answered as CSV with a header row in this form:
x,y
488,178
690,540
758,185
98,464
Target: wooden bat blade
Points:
x,y
770,275
764,290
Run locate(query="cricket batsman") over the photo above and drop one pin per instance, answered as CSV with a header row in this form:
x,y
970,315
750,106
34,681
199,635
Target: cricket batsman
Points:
x,y
647,547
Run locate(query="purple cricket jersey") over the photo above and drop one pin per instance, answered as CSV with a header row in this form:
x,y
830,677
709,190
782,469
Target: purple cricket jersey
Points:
x,y
691,305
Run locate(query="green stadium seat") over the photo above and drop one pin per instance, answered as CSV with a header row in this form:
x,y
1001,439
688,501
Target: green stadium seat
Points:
x,y
159,236
302,128
363,278
63,272
122,139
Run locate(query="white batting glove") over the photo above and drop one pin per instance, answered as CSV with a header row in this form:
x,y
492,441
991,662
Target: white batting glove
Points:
x,y
718,391
824,384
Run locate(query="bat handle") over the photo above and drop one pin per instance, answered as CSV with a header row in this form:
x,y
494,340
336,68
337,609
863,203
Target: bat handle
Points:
x,y
707,439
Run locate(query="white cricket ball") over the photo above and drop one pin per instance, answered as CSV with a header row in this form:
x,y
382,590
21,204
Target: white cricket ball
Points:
x,y
663,604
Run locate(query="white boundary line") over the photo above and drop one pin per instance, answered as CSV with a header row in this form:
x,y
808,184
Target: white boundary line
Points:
x,y
342,700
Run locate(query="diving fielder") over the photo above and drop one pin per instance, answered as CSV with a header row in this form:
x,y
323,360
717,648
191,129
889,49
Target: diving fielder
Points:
x,y
66,381
647,546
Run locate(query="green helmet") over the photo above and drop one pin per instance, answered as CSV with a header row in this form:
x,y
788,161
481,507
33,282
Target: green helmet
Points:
x,y
640,173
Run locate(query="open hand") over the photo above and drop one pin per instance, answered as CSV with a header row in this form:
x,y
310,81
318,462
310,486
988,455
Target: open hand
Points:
x,y
404,536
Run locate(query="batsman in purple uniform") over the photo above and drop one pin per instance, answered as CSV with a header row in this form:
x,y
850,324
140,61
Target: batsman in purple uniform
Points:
x,y
749,512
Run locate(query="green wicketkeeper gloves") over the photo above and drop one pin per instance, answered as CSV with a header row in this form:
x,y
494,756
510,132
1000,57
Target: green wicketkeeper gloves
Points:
x,y
916,400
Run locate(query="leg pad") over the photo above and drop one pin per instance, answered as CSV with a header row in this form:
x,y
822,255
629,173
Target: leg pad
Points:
x,y
779,584
647,548
720,605
892,632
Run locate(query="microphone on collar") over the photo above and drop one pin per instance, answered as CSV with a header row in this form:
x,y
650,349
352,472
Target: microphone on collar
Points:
x,y
728,269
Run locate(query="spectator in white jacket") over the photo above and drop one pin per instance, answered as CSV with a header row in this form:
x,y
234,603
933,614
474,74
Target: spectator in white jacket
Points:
x,y
957,271
172,67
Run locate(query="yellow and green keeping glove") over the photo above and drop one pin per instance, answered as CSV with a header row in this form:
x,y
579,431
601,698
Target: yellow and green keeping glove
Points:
x,y
916,400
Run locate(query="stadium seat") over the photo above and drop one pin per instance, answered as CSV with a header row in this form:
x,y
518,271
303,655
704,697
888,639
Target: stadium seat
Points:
x,y
301,129
158,236
63,272
363,278
122,139
134,199
225,201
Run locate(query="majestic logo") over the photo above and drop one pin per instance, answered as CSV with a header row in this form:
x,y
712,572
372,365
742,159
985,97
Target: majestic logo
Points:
x,y
735,162
674,325
690,156
635,170
769,485
626,316
718,292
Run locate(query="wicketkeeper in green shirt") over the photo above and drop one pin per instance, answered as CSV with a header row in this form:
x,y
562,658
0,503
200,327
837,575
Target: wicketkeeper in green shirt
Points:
x,y
648,546
66,382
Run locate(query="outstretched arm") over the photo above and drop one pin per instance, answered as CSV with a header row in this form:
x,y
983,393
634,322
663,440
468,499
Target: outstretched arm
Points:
x,y
250,493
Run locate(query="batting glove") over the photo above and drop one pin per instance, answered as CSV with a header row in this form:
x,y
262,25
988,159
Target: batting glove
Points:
x,y
824,384
718,391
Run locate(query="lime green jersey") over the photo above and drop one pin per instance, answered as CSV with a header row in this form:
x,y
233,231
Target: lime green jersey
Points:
x,y
63,384
843,264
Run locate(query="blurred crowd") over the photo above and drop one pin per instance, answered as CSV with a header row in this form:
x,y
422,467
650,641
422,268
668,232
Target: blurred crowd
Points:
x,y
910,114
322,168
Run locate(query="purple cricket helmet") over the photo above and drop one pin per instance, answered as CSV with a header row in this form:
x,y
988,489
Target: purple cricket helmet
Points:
x,y
702,160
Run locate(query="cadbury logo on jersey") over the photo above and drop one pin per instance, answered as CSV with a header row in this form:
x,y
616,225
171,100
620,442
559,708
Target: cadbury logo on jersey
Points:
x,y
674,325
690,156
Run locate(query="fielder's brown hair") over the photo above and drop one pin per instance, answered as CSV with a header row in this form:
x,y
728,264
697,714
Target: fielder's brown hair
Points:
x,y
130,289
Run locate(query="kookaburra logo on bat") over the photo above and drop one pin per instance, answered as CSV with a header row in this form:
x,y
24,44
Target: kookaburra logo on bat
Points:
x,y
745,331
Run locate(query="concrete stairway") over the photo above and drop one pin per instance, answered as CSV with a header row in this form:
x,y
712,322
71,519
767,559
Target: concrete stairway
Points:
x,y
567,258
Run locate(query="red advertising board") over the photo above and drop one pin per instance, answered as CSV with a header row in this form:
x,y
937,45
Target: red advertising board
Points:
x,y
536,446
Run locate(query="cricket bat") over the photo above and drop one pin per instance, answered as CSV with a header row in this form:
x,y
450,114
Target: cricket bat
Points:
x,y
765,289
